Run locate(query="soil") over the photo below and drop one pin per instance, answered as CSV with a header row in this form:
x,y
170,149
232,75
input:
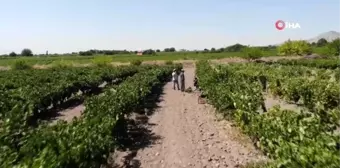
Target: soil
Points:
x,y
40,66
189,135
271,101
69,113
3,68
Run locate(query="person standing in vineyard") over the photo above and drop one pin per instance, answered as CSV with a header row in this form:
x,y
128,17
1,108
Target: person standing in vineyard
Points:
x,y
181,76
196,83
175,79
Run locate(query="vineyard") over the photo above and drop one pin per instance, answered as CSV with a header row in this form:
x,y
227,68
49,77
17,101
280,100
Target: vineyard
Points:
x,y
291,138
30,99
28,96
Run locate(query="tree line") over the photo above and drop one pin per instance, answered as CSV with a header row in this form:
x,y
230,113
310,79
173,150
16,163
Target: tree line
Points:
x,y
298,47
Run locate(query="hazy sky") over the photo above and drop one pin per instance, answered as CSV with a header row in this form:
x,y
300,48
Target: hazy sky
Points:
x,y
61,26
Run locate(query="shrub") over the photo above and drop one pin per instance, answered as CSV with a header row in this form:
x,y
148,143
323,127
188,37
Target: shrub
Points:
x,y
136,62
21,65
252,53
298,47
102,60
168,62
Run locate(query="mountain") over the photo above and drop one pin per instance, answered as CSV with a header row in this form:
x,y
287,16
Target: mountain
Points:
x,y
329,36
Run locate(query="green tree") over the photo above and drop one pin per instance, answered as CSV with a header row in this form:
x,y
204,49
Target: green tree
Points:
x,y
324,51
172,49
220,50
85,53
298,47
335,46
252,53
149,52
321,42
107,52
26,52
158,50
12,54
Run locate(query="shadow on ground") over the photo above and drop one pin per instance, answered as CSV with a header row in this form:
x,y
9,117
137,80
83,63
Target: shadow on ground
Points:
x,y
137,134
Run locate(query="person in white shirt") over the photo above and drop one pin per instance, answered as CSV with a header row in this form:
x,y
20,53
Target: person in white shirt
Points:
x,y
175,79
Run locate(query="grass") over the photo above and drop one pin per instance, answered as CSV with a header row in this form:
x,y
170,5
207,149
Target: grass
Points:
x,y
102,60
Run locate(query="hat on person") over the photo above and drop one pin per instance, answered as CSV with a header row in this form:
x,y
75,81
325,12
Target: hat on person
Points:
x,y
182,70
174,70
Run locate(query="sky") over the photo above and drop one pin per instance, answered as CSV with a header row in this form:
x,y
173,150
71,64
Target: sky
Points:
x,y
63,26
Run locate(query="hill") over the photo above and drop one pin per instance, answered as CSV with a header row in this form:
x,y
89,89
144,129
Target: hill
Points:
x,y
329,36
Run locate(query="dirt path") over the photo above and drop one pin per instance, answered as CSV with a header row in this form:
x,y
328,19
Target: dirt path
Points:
x,y
191,136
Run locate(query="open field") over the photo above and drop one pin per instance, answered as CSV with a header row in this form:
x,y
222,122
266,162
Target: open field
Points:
x,y
165,56
130,116
331,63
160,56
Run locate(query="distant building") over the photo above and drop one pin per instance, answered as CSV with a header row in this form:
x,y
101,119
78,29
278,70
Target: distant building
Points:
x,y
140,52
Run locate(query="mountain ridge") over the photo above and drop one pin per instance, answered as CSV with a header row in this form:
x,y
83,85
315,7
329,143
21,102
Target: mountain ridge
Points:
x,y
329,36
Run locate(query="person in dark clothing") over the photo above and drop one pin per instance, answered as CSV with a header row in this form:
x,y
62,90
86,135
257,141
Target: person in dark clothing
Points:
x,y
182,80
196,83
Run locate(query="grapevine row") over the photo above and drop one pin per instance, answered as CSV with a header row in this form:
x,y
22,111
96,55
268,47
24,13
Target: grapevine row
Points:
x,y
291,139
318,63
20,107
315,91
87,141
